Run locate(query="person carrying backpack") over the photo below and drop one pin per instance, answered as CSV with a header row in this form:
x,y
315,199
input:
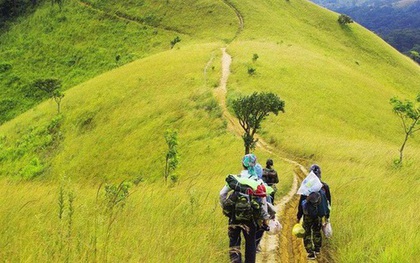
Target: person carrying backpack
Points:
x,y
246,209
270,177
314,207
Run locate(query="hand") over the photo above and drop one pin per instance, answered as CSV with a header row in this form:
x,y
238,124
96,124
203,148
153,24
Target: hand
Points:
x,y
265,227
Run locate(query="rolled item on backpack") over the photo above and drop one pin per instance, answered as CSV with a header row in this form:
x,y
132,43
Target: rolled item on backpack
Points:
x,y
241,184
310,184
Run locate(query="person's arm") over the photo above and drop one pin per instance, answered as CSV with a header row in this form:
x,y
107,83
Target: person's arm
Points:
x,y
275,177
327,192
223,194
300,209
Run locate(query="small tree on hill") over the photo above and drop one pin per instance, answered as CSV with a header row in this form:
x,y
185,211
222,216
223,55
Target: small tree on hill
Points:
x,y
52,88
174,41
171,161
252,110
344,19
409,113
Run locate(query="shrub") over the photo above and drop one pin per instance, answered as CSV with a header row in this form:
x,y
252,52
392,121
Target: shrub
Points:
x,y
344,19
5,67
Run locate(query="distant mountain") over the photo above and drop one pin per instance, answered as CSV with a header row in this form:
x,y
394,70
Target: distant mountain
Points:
x,y
336,4
397,21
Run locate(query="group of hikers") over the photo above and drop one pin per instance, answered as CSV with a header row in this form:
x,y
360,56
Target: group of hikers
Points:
x,y
247,199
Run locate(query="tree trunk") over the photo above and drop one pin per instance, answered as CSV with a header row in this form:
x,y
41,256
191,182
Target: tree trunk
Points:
x,y
402,147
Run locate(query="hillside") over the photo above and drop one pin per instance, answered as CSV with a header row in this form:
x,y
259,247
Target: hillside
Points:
x,y
51,43
336,82
397,22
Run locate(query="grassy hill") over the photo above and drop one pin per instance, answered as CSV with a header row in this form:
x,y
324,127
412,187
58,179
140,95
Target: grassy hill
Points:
x,y
336,82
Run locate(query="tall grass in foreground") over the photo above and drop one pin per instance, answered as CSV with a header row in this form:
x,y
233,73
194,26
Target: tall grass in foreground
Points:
x,y
149,222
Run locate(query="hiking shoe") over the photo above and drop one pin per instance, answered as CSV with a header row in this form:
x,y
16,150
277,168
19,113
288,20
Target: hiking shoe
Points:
x,y
311,255
258,249
317,251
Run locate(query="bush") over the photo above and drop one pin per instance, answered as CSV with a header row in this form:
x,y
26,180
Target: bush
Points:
x,y
344,19
5,67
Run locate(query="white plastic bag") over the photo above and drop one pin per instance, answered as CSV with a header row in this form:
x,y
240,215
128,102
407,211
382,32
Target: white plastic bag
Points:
x,y
327,230
275,227
310,184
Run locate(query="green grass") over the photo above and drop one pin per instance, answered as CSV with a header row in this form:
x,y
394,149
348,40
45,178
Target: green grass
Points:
x,y
336,82
52,44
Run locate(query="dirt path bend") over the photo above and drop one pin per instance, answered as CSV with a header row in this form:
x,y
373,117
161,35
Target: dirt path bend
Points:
x,y
276,248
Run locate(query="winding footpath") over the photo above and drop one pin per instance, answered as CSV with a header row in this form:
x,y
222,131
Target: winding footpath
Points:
x,y
274,247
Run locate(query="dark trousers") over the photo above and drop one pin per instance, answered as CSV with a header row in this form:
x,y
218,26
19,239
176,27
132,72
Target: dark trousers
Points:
x,y
248,229
258,236
312,238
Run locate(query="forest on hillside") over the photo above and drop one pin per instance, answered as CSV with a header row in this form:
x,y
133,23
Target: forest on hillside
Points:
x,y
397,24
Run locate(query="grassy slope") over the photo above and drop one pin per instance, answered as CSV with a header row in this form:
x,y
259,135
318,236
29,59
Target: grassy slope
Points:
x,y
52,44
337,115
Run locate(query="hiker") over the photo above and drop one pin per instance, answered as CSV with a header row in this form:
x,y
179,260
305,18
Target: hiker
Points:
x,y
271,178
314,207
239,221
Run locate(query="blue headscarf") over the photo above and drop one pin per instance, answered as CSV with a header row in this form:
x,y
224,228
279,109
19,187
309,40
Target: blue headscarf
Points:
x,y
259,170
249,161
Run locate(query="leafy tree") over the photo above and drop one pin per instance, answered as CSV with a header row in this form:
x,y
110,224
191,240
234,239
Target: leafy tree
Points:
x,y
252,110
409,113
51,87
171,161
48,85
344,19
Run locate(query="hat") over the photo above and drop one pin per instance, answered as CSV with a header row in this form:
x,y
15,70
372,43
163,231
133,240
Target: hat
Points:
x,y
316,170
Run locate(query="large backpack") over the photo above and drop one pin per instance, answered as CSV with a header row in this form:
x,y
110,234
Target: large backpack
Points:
x,y
242,205
315,204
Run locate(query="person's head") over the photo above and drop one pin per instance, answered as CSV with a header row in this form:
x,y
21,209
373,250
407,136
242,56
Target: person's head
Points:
x,y
248,162
269,163
316,170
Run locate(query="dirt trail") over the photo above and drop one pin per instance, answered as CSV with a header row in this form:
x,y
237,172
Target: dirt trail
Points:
x,y
283,247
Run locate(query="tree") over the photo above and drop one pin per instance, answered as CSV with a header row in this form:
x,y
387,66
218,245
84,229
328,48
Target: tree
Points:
x,y
51,87
58,96
344,19
252,110
48,85
171,163
174,41
409,113
414,55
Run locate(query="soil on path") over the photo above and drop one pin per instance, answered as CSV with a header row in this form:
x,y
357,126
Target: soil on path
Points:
x,y
283,247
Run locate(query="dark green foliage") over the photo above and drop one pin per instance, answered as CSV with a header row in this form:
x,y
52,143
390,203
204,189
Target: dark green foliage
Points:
x,y
35,146
255,57
409,114
252,110
174,41
252,71
344,19
11,9
47,85
171,158
5,67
